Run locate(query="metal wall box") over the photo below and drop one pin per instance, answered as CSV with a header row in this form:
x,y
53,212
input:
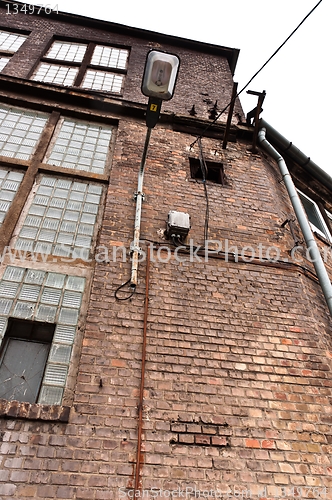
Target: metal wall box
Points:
x,y
178,224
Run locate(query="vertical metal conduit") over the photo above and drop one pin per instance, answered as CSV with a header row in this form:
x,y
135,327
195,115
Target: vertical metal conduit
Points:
x,y
141,391
135,248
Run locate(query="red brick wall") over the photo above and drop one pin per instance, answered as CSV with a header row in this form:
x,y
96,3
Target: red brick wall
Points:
x,y
238,354
237,384
197,83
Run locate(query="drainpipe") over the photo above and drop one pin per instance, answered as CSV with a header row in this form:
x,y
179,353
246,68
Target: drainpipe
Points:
x,y
314,253
135,248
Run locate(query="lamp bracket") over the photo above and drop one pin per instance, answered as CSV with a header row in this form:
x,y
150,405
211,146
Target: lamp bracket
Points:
x,y
153,112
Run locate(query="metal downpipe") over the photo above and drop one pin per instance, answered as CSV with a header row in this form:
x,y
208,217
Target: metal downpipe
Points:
x,y
314,252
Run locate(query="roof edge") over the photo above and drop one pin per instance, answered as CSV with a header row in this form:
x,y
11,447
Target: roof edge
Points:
x,y
287,147
231,54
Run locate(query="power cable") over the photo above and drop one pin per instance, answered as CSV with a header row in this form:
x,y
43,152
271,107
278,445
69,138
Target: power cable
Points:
x,y
125,297
254,76
204,175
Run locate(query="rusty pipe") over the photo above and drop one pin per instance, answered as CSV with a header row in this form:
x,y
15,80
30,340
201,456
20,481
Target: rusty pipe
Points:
x,y
141,391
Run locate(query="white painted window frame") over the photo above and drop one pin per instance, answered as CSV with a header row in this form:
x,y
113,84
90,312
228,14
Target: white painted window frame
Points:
x,y
327,235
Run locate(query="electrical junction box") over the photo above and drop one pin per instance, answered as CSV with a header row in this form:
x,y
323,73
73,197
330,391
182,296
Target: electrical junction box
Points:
x,y
178,225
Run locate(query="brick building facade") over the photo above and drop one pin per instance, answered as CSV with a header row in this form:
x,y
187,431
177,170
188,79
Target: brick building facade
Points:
x,y
214,376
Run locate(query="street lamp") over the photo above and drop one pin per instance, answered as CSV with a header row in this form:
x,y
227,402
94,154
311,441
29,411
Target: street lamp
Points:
x,y
160,74
159,79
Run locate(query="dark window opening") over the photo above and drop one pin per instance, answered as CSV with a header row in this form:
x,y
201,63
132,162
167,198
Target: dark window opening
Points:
x,y
24,352
215,171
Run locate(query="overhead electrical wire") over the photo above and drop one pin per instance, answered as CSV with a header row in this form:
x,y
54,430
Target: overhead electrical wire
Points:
x,y
204,171
254,76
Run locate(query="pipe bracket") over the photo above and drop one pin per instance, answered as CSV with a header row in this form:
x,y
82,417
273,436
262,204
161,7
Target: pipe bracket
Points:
x,y
134,248
135,196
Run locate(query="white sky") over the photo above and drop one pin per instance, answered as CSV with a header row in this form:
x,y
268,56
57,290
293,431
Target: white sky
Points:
x,y
297,80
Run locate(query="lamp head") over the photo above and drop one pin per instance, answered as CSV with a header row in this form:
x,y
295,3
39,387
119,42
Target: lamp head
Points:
x,y
160,75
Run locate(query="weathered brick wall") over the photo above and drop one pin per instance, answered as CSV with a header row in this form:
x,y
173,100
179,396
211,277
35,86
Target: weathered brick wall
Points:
x,y
248,210
237,383
238,354
197,82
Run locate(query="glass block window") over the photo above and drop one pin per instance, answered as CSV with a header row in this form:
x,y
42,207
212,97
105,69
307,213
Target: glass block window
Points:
x,y
80,145
20,131
45,297
3,62
9,184
101,80
66,51
61,218
51,73
90,66
11,42
109,57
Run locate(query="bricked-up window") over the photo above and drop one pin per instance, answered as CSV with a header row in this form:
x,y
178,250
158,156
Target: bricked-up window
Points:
x,y
215,171
45,297
9,184
314,216
9,44
24,353
80,145
20,131
90,66
61,218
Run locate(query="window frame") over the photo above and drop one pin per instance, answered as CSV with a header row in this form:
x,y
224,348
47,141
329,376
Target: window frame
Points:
x,y
8,54
326,233
63,121
23,151
84,65
26,337
67,316
50,391
83,253
329,215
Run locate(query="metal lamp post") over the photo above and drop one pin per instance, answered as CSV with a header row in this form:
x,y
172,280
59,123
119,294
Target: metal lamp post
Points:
x,y
159,79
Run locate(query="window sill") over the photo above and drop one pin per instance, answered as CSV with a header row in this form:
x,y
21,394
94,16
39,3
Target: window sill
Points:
x,y
34,411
